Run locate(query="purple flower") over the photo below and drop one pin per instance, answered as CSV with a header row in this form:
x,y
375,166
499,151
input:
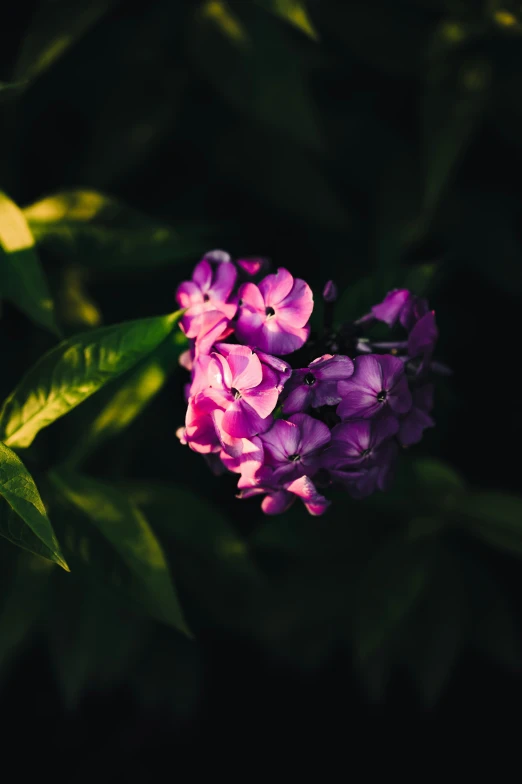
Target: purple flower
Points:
x,y
412,426
317,384
330,292
363,480
278,500
414,309
392,306
243,388
293,448
247,463
252,266
274,316
423,337
360,444
206,298
377,384
281,368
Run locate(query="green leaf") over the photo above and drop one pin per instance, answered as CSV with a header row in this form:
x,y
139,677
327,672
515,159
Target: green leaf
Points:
x,y
131,394
388,590
68,374
30,528
22,277
250,60
127,530
293,11
55,27
496,518
99,231
23,604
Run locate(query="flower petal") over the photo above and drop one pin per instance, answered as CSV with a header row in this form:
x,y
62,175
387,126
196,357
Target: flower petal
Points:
x,y
356,403
274,288
399,398
368,373
332,368
245,368
314,434
390,309
277,503
250,295
281,441
297,307
225,277
298,400
281,340
202,275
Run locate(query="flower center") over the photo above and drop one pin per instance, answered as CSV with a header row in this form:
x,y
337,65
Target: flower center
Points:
x,y
236,393
381,397
270,312
294,458
366,453
309,379
206,297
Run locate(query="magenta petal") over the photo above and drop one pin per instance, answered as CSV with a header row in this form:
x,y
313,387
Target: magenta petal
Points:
x,y
298,400
391,307
305,489
368,373
262,400
413,426
274,288
282,440
357,403
392,370
399,399
250,295
276,340
423,336
252,266
314,434
245,368
297,307
225,277
188,293
218,372
202,275
277,503
334,368
241,421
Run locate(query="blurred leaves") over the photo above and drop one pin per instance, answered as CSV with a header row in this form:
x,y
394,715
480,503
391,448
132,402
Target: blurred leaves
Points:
x,y
131,394
389,589
293,11
98,231
23,604
131,536
494,517
22,279
249,59
29,527
74,370
56,27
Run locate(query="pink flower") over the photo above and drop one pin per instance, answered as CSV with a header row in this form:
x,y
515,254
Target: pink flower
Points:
x,y
207,298
243,389
281,368
274,316
278,499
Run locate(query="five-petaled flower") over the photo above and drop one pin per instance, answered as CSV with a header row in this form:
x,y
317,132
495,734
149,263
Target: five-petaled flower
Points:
x,y
378,384
273,316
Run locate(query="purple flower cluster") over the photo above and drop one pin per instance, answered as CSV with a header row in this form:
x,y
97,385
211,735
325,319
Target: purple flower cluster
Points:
x,y
292,432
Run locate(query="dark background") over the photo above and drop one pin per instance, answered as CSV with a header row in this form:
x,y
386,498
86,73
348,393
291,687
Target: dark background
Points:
x,y
386,153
